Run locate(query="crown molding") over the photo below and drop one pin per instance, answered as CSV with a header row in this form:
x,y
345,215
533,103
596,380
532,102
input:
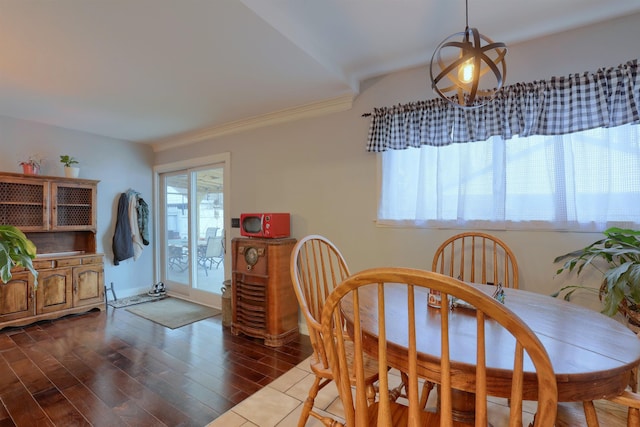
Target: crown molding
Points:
x,y
341,103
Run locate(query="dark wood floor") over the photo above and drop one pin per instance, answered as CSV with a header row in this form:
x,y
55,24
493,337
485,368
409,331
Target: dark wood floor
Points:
x,y
117,369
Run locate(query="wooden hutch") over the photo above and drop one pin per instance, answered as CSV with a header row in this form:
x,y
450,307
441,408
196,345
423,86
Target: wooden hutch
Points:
x,y
264,302
60,216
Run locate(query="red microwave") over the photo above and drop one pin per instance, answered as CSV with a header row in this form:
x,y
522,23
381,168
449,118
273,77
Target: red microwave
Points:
x,y
266,225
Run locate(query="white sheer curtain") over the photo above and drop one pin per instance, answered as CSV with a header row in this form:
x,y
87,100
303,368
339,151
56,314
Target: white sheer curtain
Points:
x,y
585,181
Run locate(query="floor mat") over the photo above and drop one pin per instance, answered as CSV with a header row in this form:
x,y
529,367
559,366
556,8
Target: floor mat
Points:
x,y
173,312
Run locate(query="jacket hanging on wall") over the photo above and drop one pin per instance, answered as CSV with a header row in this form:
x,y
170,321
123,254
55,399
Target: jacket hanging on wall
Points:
x,y
132,230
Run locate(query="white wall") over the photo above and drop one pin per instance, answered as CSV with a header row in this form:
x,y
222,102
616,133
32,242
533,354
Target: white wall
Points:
x,y
118,165
318,168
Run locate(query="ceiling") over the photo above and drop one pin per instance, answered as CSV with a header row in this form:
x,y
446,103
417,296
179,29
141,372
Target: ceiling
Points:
x,y
157,71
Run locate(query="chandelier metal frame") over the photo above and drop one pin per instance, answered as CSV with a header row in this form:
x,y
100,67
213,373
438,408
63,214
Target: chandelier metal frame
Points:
x,y
466,49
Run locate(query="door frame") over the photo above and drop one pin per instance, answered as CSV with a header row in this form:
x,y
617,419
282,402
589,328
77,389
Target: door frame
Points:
x,y
207,298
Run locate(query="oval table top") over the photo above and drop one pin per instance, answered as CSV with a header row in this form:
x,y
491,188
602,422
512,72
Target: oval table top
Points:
x,y
592,354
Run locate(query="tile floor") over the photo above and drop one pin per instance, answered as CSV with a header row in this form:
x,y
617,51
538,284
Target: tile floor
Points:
x,y
279,404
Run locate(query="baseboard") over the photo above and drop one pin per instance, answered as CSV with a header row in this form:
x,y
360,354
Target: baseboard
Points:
x,y
124,293
303,328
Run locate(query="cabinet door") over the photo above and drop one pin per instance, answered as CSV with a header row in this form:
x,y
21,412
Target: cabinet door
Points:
x,y
24,203
88,284
16,297
54,290
73,206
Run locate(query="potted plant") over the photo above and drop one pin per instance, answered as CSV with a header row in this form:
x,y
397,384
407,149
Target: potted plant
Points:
x,y
70,171
617,258
15,250
31,166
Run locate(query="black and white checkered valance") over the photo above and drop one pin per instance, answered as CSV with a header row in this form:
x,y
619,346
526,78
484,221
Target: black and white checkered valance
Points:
x,y
607,98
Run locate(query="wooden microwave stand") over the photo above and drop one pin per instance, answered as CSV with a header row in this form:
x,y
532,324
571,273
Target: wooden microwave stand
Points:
x,y
59,216
264,302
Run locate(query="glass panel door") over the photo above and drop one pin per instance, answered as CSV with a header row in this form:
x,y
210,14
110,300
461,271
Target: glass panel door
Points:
x,y
209,220
194,236
176,220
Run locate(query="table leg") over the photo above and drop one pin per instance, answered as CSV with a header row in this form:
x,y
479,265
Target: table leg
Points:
x,y
463,406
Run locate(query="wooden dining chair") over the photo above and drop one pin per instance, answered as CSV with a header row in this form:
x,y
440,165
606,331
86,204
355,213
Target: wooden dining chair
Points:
x,y
317,267
474,257
394,338
478,258
630,398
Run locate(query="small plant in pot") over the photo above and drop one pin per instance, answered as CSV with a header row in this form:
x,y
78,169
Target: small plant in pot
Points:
x,y
70,170
617,257
31,166
15,250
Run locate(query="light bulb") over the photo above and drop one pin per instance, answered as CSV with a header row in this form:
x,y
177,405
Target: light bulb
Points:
x,y
465,72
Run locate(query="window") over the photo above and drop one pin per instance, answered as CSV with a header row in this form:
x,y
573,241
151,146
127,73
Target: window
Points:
x,y
586,181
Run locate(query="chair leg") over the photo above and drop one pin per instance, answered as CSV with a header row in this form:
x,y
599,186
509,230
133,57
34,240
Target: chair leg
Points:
x,y
633,418
204,266
395,393
633,380
371,394
590,413
308,404
307,409
424,396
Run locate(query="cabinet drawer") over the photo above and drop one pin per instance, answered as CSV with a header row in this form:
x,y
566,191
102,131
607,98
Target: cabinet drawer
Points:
x,y
43,264
92,260
67,262
37,264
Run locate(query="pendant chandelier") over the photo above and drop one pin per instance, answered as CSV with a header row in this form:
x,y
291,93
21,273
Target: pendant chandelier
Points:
x,y
467,68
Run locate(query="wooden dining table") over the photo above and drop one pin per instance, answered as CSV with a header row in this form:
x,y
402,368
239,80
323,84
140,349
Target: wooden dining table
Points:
x,y
592,354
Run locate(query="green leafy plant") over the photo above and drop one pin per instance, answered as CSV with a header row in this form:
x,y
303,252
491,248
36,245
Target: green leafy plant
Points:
x,y
68,160
15,250
617,257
